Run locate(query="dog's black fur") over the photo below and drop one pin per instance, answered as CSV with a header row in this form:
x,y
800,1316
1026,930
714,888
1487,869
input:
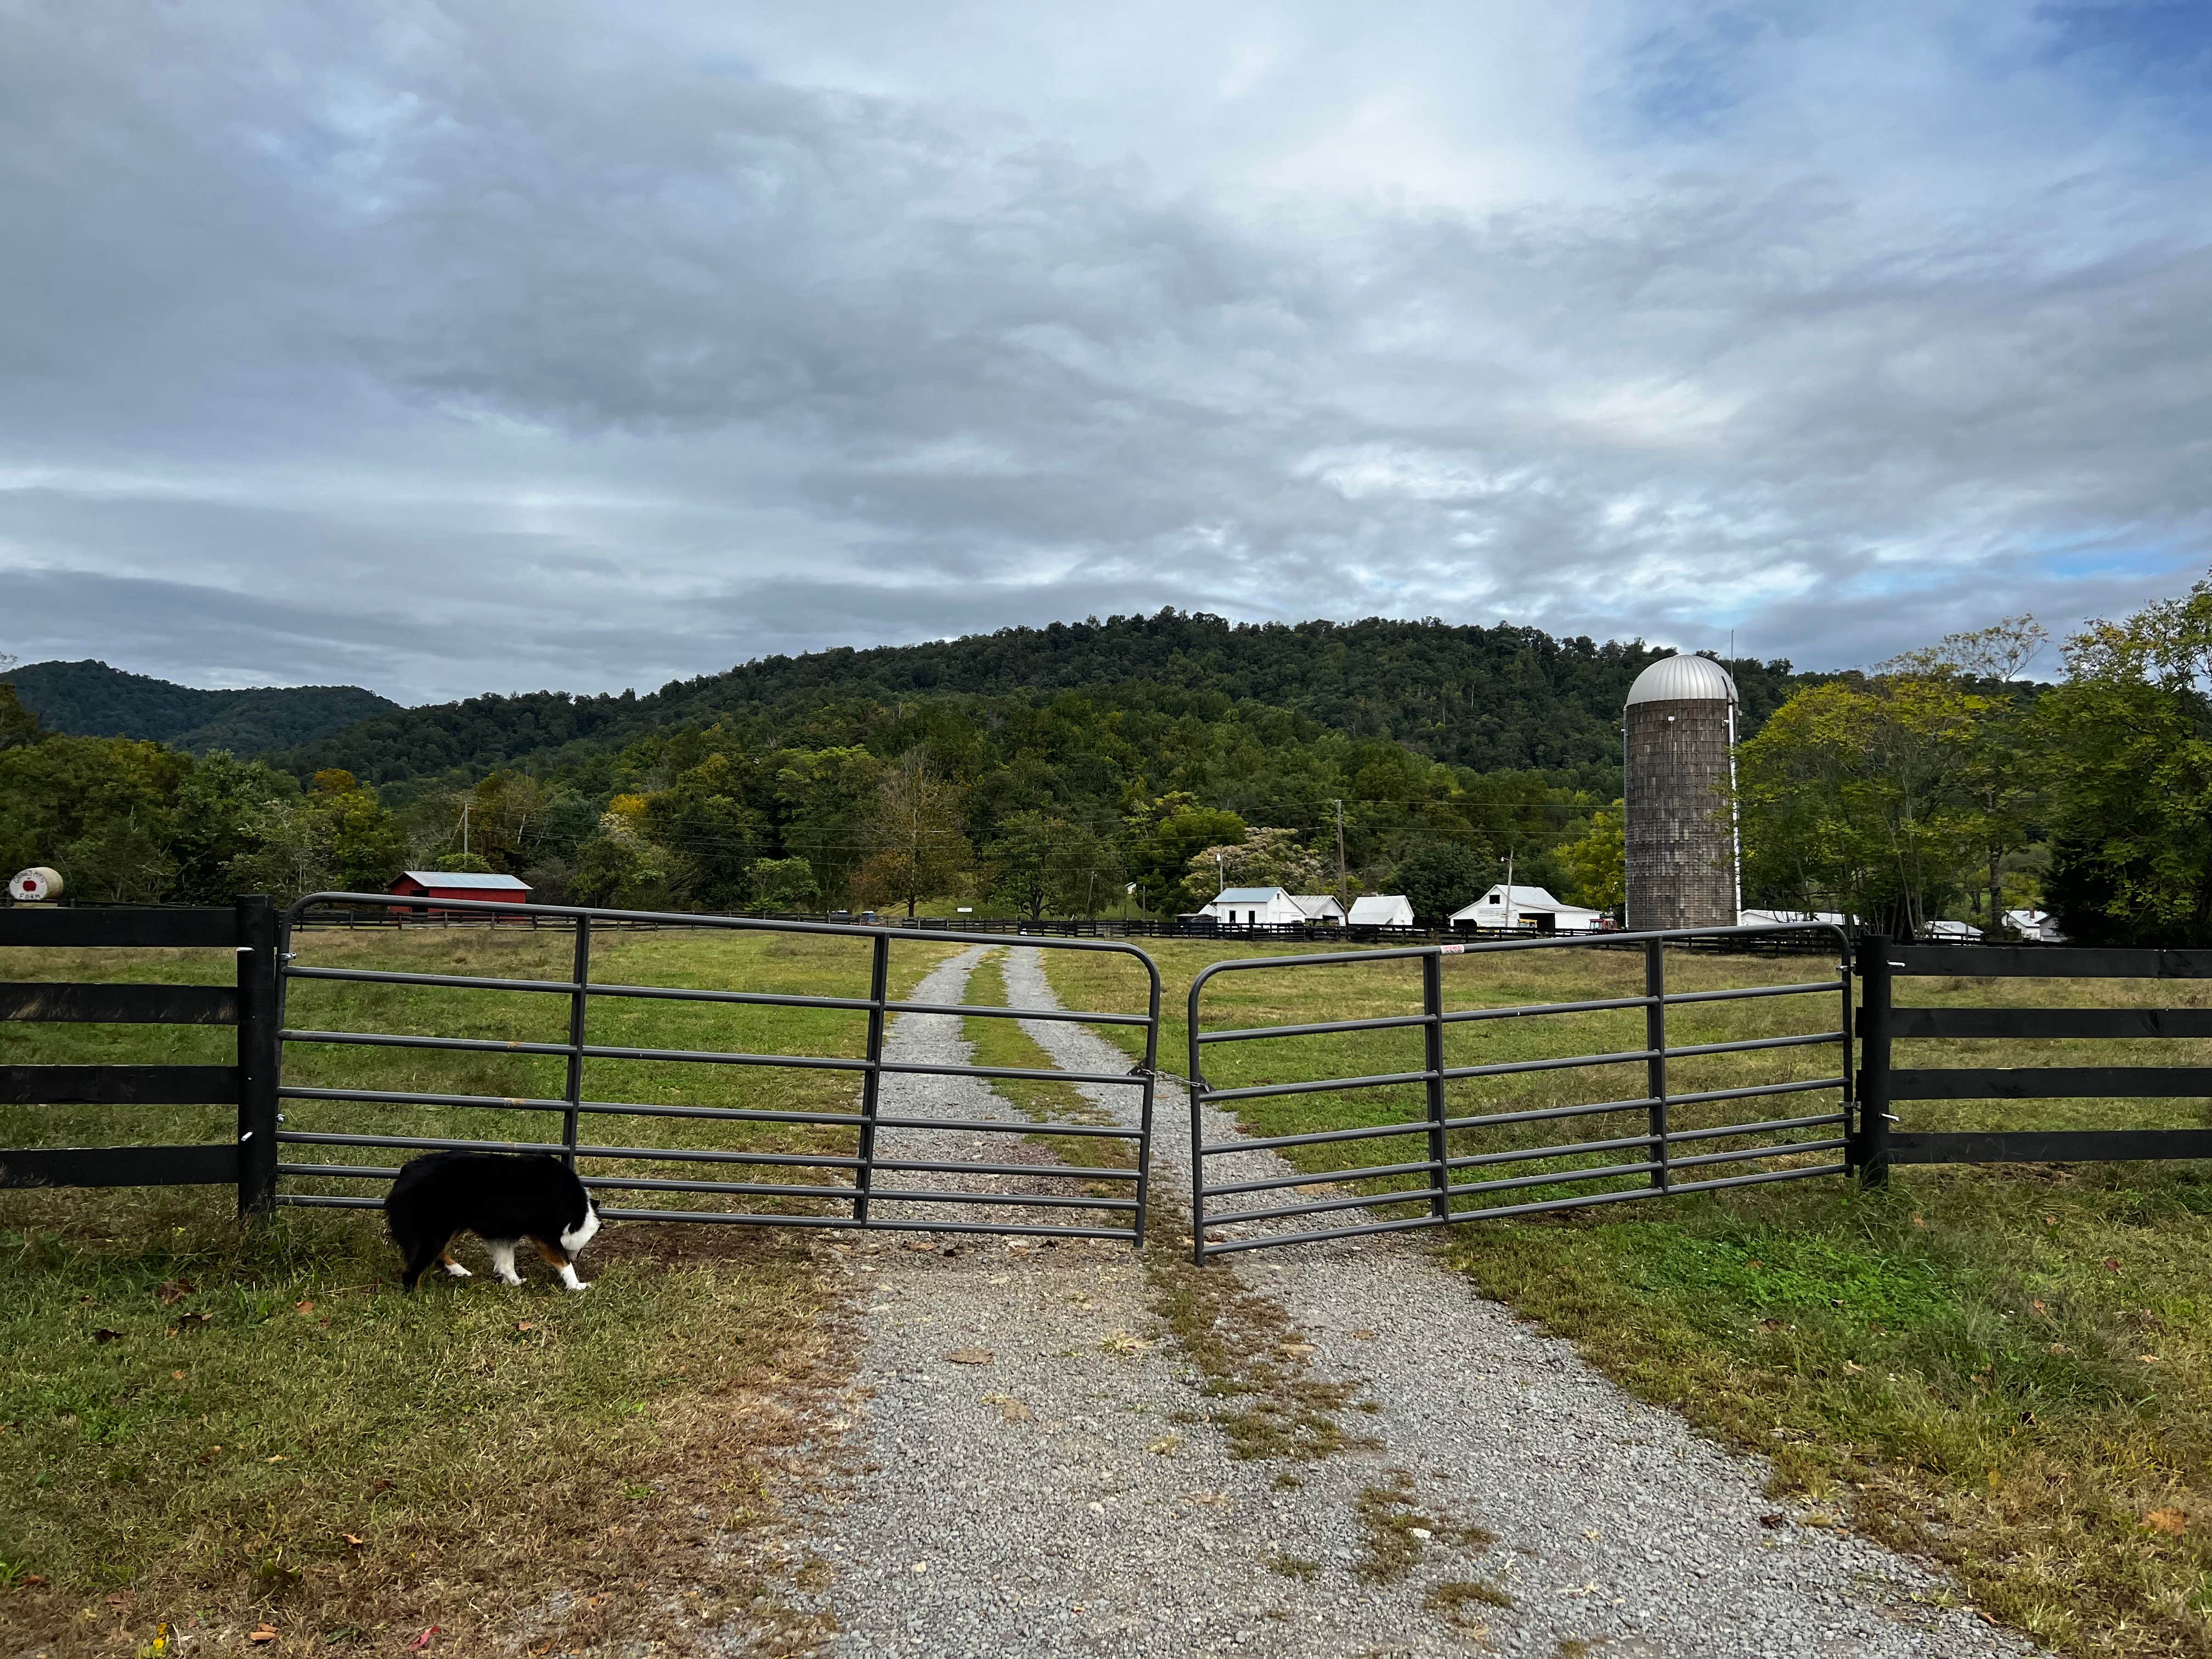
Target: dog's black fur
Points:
x,y
502,1198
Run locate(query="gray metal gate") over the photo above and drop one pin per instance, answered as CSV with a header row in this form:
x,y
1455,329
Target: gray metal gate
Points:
x,y
1673,1149
1119,1191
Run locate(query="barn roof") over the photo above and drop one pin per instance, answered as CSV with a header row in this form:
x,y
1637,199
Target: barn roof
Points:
x,y
1246,896
455,881
1378,907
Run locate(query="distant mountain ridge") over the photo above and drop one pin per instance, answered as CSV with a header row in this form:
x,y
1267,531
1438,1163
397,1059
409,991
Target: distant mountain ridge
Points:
x,y
1487,698
90,699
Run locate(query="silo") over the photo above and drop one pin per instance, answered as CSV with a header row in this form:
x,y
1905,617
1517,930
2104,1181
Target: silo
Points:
x,y
1679,733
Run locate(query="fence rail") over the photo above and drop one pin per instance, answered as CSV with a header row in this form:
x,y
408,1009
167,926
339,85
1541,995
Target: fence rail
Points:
x,y
1447,1195
1881,963
248,928
861,1197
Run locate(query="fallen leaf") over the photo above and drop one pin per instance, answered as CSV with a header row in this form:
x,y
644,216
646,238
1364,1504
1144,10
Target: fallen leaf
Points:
x,y
1362,1336
354,1538
176,1376
526,1325
2172,1522
279,1458
106,1336
2060,1347
921,1244
1297,1350
2111,1264
194,1319
2150,1360
33,1579
971,1356
378,1485
303,1308
1853,1368
2038,1307
1770,1325
262,1633
174,1291
1919,1221
1772,1518
423,1640
1009,1407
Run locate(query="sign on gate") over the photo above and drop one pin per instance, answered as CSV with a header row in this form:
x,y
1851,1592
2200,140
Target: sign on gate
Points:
x,y
1465,1158
862,1183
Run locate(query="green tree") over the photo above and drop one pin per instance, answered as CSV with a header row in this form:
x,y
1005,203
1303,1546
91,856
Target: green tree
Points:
x,y
825,801
102,811
1017,862
1445,877
1084,871
1596,862
1858,796
779,885
919,851
2128,745
221,806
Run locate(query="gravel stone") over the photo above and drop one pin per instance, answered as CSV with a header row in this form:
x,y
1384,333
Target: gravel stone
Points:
x,y
1044,1502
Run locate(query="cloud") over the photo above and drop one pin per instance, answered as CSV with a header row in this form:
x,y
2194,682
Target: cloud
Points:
x,y
450,348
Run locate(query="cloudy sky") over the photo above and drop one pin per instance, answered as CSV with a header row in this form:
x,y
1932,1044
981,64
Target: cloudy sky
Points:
x,y
507,344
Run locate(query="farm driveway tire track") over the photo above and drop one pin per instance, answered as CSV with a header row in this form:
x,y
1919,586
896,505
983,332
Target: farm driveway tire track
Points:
x,y
1068,1495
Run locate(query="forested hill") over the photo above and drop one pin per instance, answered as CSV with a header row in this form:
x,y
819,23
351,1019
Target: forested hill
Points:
x,y
90,699
1486,698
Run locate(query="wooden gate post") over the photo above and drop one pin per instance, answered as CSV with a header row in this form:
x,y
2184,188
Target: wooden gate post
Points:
x,y
1870,1145
259,1044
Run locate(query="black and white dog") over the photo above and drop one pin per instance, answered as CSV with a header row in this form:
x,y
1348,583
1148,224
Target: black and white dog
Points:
x,y
502,1198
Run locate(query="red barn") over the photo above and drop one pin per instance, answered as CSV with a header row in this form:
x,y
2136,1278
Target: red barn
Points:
x,y
458,884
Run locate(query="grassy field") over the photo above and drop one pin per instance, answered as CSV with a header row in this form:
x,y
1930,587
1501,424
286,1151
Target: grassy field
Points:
x,y
2004,1368
217,1427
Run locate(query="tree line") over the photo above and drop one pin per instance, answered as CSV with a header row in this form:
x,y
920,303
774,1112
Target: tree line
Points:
x,y
1062,805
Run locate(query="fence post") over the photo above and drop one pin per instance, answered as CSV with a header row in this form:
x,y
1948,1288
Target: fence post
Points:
x,y
259,1050
1432,1062
1871,1144
1655,1066
578,1002
879,979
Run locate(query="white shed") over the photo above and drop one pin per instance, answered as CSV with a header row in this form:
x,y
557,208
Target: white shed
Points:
x,y
1319,906
1383,910
1528,907
2037,925
1254,907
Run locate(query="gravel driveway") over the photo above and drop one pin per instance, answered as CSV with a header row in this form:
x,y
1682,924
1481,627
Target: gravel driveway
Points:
x,y
1060,1489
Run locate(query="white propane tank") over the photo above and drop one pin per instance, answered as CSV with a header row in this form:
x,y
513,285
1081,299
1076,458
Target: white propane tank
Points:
x,y
35,885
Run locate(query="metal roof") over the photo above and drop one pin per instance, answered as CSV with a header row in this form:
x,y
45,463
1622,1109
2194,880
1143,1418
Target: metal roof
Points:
x,y
1378,907
1683,679
1246,896
454,881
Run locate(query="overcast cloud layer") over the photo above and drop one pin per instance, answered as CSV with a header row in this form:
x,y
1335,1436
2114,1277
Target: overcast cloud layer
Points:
x,y
492,346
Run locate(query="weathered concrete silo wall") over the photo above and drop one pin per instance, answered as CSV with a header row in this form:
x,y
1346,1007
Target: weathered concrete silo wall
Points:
x,y
1681,841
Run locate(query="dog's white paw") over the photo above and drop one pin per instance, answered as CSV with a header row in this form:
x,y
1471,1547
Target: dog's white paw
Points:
x,y
510,1278
458,1270
580,1284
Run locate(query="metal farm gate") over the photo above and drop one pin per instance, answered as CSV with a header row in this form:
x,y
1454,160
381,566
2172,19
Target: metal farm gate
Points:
x,y
1675,1138
850,1190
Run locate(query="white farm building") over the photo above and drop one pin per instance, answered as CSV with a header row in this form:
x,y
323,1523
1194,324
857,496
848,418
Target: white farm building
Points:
x,y
1528,907
1267,907
1383,910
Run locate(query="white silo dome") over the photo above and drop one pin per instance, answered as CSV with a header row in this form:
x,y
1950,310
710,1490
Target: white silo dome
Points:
x,y
1683,679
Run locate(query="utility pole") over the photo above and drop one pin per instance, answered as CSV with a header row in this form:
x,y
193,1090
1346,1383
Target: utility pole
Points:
x,y
1343,887
464,828
1509,888
1220,877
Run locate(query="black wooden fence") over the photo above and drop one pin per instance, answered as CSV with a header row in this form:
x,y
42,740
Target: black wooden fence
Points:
x,y
248,929
1882,1084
